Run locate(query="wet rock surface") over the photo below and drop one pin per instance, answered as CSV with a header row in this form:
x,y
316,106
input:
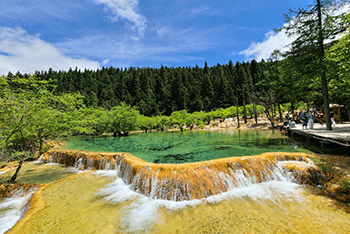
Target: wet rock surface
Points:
x,y
336,179
16,190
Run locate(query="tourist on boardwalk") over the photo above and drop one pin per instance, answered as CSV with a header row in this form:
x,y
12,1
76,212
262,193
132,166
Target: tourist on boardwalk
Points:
x,y
311,120
304,118
288,118
332,118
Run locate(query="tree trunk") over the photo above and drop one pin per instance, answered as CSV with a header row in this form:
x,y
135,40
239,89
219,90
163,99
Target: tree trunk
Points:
x,y
14,177
293,114
255,113
40,146
9,136
244,110
280,113
238,126
279,108
273,112
270,117
5,142
323,68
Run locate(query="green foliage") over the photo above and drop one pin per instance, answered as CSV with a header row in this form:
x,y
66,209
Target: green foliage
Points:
x,y
162,122
322,164
147,123
123,119
181,119
94,121
338,61
345,184
315,27
31,113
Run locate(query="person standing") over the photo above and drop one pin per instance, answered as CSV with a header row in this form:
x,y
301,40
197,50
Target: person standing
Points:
x,y
311,120
332,118
304,118
287,117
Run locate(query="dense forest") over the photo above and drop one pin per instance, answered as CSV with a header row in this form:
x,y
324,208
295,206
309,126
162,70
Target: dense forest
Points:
x,y
161,91
164,90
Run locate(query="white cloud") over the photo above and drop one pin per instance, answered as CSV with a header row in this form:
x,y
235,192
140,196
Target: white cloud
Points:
x,y
105,62
273,41
26,53
126,9
263,50
173,41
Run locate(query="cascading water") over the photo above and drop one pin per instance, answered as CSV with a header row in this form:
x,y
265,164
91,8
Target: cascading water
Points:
x,y
179,182
230,195
142,213
153,187
13,208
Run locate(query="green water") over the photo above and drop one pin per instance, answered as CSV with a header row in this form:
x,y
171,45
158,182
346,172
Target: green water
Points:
x,y
192,146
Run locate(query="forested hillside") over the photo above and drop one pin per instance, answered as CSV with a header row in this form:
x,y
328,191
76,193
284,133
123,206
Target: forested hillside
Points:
x,y
162,91
165,90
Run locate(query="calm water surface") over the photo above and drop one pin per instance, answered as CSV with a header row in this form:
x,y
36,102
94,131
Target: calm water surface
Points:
x,y
192,146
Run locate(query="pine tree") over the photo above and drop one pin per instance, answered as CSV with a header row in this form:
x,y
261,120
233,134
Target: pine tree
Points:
x,y
241,86
313,26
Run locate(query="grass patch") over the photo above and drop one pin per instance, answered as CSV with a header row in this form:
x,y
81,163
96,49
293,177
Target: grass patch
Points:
x,y
345,184
322,164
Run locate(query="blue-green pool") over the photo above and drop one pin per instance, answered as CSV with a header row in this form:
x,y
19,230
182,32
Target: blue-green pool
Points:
x,y
192,146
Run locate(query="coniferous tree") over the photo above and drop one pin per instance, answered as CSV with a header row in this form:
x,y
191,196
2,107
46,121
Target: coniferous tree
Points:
x,y
241,86
313,26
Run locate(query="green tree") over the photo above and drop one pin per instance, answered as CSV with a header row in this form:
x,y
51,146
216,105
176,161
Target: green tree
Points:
x,y
123,119
338,60
31,114
94,120
313,26
181,119
147,123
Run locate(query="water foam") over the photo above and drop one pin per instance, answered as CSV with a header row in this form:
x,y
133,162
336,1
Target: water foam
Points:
x,y
3,172
143,212
40,160
76,170
14,209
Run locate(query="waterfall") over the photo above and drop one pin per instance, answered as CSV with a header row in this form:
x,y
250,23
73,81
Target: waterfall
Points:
x,y
184,182
15,204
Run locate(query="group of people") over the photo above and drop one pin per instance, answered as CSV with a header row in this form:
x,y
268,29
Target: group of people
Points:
x,y
305,117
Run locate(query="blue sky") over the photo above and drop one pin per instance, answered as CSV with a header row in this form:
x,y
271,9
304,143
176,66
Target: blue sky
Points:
x,y
37,35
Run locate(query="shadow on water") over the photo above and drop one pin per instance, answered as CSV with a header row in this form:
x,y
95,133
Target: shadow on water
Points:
x,y
317,146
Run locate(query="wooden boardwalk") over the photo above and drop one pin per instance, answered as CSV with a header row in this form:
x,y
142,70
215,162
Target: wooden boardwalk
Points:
x,y
339,135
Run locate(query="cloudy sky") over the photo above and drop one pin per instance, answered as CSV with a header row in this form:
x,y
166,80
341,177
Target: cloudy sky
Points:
x,y
37,35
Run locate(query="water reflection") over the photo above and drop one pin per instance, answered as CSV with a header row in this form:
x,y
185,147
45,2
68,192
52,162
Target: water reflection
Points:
x,y
177,147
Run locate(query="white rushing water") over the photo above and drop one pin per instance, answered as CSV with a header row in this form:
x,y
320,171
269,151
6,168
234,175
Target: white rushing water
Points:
x,y
11,210
3,172
143,211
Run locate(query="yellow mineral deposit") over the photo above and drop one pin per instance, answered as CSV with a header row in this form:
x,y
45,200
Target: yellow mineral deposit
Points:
x,y
230,195
70,206
186,181
312,214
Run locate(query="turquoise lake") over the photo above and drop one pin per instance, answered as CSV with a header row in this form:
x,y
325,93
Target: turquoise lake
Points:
x,y
191,146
